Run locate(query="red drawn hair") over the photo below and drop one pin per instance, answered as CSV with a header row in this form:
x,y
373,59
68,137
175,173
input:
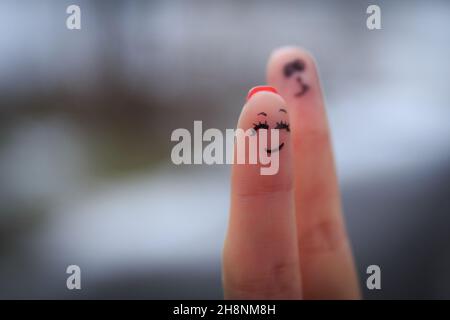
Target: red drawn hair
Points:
x,y
259,89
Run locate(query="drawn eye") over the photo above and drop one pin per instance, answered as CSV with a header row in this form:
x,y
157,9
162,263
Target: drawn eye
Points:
x,y
260,125
294,66
283,125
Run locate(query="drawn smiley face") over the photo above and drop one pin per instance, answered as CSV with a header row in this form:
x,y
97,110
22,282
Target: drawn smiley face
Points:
x,y
295,69
282,124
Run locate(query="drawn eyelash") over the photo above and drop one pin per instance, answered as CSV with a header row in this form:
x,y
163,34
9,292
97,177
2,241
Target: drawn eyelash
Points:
x,y
283,125
260,125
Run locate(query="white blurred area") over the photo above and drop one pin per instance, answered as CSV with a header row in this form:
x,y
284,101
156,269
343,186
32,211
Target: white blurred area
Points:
x,y
159,233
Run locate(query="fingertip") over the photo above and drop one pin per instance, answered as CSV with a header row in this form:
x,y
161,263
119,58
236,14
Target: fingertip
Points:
x,y
263,103
283,62
286,52
265,121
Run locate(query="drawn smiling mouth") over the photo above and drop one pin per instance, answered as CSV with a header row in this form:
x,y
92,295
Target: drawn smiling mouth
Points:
x,y
303,87
269,151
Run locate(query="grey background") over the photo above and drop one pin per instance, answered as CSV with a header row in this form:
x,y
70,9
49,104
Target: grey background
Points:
x,y
86,118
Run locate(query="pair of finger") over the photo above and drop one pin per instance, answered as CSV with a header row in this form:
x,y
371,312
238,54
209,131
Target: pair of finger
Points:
x,y
286,237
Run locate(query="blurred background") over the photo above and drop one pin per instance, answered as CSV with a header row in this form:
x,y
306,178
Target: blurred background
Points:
x,y
86,117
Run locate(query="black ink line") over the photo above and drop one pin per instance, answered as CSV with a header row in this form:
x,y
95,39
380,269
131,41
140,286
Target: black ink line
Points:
x,y
294,66
283,125
269,151
283,110
262,113
303,87
260,125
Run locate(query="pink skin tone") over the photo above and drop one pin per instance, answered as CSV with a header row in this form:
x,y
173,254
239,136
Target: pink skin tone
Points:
x,y
260,254
286,236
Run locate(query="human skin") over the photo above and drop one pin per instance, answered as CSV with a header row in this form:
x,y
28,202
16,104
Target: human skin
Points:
x,y
286,235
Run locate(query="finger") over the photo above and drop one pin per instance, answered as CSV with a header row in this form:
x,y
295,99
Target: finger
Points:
x,y
260,258
326,260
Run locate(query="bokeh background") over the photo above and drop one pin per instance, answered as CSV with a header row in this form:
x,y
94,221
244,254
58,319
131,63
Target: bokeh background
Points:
x,y
86,117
